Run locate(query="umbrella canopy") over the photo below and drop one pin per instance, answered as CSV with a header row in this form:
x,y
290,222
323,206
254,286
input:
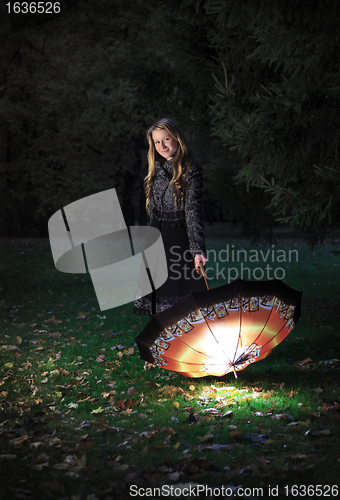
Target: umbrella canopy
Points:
x,y
221,330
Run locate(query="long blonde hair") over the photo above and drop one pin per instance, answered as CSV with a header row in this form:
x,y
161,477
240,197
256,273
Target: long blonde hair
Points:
x,y
180,164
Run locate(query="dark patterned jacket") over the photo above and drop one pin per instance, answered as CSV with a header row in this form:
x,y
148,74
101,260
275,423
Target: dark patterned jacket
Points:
x,y
163,212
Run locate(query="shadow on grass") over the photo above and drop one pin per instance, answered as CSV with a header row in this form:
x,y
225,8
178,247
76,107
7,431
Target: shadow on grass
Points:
x,y
83,418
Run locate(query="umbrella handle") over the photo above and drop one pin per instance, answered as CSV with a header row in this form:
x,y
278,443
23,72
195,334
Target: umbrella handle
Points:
x,y
204,275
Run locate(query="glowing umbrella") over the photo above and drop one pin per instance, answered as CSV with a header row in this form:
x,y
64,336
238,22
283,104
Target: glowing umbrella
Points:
x,y
221,330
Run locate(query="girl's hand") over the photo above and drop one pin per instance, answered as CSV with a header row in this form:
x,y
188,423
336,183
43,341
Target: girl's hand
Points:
x,y
198,259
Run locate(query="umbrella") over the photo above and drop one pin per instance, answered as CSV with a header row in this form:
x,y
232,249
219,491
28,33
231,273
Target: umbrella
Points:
x,y
221,330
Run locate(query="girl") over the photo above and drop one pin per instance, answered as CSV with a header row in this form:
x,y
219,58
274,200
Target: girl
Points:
x,y
173,189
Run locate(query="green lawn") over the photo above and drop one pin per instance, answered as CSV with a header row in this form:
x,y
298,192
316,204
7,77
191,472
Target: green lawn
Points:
x,y
84,418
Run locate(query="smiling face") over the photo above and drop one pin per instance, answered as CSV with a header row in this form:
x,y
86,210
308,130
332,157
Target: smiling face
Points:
x,y
164,143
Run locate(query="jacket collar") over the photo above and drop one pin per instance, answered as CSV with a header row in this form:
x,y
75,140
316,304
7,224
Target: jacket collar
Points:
x,y
167,165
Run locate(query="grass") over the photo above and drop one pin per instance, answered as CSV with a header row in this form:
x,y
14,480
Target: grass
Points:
x,y
83,417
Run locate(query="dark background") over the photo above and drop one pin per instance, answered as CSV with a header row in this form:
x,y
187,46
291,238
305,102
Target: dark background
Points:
x,y
254,85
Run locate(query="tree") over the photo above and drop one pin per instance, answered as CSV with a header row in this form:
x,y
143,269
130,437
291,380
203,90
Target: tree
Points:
x,y
278,106
71,124
263,78
176,78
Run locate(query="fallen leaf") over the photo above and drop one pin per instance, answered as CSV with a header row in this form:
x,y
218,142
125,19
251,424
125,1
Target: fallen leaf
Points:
x,y
8,457
72,475
84,446
170,390
148,434
325,432
38,467
228,413
217,447
72,405
19,440
80,462
174,476
260,468
207,437
305,361
55,335
260,439
315,414
98,410
129,351
235,433
147,366
168,430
